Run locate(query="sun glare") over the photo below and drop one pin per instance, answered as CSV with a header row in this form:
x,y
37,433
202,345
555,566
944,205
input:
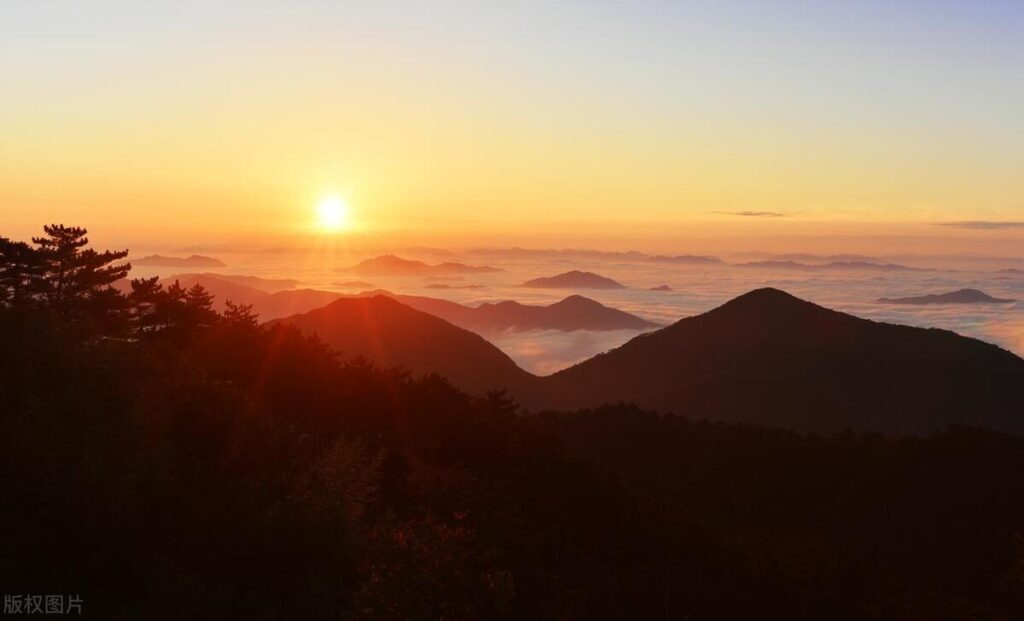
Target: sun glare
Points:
x,y
332,213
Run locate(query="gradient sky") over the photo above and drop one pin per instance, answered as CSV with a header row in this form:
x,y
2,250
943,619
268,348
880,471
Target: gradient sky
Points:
x,y
445,120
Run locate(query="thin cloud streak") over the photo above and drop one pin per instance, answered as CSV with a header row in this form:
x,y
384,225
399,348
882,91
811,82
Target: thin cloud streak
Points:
x,y
753,214
982,224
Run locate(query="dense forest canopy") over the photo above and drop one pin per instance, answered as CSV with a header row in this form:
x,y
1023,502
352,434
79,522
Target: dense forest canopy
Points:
x,y
164,460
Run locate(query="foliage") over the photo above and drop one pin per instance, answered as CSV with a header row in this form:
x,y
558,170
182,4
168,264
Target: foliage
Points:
x,y
173,462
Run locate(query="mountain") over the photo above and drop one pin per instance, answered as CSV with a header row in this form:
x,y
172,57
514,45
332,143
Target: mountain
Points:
x,y
558,254
866,265
770,358
362,285
389,333
686,259
574,280
441,285
573,313
961,296
268,305
831,266
805,257
256,282
661,288
156,260
391,265
631,256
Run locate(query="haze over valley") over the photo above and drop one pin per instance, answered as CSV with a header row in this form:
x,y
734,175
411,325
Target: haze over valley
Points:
x,y
695,288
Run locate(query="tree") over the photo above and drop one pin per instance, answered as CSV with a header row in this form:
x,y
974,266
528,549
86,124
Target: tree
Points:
x,y
238,315
21,268
145,297
74,279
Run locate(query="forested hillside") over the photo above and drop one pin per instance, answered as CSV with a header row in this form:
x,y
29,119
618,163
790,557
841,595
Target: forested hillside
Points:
x,y
164,460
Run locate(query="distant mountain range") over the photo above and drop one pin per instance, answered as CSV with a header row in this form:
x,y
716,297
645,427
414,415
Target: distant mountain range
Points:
x,y
686,259
391,265
832,266
441,285
765,357
770,358
387,332
360,285
573,313
268,304
633,256
961,296
256,282
806,257
661,288
157,260
574,280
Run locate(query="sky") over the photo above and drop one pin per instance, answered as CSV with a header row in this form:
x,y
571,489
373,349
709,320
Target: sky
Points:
x,y
784,125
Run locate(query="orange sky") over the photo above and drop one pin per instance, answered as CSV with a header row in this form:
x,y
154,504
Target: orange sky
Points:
x,y
460,125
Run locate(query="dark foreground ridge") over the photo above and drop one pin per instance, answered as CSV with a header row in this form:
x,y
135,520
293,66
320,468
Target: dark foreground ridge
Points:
x,y
160,460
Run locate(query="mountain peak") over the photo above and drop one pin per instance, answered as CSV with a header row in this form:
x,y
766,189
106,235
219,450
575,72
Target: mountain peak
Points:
x,y
574,279
767,299
577,301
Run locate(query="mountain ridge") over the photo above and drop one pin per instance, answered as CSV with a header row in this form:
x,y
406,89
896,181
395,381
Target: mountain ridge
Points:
x,y
774,359
960,296
574,279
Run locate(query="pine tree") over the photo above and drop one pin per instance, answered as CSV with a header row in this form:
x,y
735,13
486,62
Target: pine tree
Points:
x,y
145,299
21,268
75,279
238,315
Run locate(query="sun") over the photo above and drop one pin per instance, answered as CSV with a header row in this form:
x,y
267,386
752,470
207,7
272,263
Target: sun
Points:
x,y
332,213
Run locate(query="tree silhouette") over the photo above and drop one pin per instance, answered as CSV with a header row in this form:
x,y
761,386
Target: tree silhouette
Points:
x,y
238,315
209,466
21,269
74,279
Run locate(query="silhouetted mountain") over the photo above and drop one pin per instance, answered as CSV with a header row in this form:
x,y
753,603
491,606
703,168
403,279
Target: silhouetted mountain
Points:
x,y
265,304
268,477
832,266
156,260
559,253
867,265
389,333
256,282
770,358
361,285
573,313
446,286
1011,270
961,296
661,288
805,257
574,280
389,264
632,256
686,259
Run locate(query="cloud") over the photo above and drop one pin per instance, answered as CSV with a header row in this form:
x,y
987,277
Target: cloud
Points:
x,y
753,214
546,351
981,224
